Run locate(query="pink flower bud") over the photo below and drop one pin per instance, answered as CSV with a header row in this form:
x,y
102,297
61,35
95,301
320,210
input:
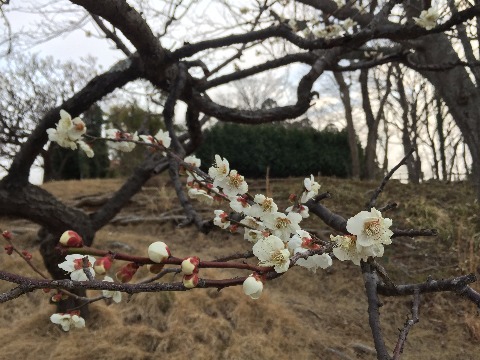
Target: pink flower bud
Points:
x,y
102,265
71,239
158,251
126,272
190,281
292,198
155,268
190,265
7,235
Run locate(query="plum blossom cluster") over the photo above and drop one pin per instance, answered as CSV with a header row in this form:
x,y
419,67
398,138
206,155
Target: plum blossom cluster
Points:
x,y
278,241
69,133
82,268
370,232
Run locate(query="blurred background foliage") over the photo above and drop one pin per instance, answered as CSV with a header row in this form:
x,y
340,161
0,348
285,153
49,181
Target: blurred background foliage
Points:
x,y
288,149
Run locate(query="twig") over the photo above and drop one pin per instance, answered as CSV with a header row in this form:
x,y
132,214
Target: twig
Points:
x,y
402,338
387,177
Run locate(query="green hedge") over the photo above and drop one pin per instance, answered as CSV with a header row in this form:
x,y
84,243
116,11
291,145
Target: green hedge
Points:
x,y
288,150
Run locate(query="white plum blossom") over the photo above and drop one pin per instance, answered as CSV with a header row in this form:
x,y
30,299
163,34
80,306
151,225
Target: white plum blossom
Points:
x,y
428,18
220,170
254,229
221,219
193,161
73,264
163,138
115,295
66,321
311,189
370,228
232,185
68,131
253,287
253,235
124,146
283,225
271,252
348,249
302,240
200,195
86,148
263,206
253,223
300,209
240,205
315,261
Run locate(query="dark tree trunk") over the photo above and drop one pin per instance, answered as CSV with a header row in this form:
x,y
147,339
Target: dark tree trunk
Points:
x,y
352,136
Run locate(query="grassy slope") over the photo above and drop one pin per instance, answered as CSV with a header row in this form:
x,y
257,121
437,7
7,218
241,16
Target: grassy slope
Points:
x,y
321,316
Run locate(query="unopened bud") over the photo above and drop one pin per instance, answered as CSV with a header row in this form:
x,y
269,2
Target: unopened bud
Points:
x,y
59,296
7,235
9,249
233,228
190,281
158,251
155,268
190,265
27,255
292,198
71,238
102,265
126,272
253,286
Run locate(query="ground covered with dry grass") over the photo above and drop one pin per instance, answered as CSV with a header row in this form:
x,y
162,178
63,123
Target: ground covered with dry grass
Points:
x,y
300,315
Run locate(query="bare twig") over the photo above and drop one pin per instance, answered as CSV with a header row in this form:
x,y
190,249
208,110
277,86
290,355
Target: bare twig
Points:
x,y
402,338
387,177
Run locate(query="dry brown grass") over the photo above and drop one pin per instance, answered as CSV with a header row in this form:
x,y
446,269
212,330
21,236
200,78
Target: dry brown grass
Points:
x,y
300,315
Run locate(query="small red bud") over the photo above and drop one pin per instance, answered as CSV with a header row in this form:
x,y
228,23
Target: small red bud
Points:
x,y
233,228
9,249
292,198
59,296
126,272
27,255
46,290
71,238
7,235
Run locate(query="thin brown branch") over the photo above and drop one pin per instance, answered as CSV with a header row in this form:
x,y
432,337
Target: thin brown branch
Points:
x,y
387,177
402,338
